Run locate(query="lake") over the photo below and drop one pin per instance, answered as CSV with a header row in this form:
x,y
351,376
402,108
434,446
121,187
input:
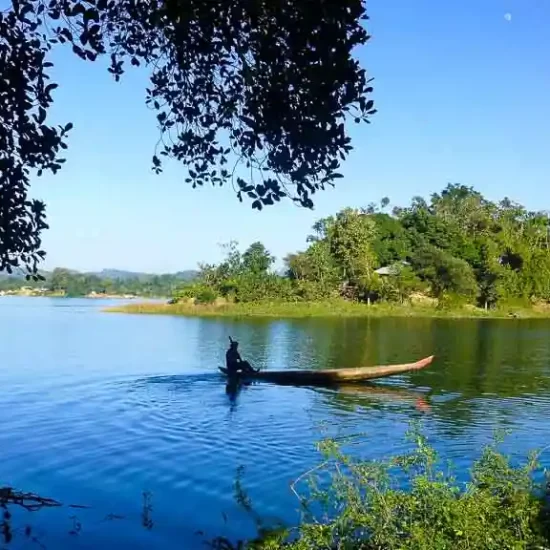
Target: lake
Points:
x,y
101,409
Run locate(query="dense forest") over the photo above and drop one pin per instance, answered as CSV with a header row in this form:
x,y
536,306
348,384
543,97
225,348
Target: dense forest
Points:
x,y
455,248
67,282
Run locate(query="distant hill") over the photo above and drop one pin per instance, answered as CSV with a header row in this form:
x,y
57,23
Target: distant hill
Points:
x,y
120,274
17,274
187,275
125,275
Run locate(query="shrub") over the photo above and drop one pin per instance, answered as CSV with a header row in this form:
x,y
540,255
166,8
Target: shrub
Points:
x,y
445,273
310,291
202,293
410,502
186,291
206,296
451,301
262,287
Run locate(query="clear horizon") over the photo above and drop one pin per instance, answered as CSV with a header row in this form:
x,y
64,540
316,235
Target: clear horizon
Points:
x,y
462,97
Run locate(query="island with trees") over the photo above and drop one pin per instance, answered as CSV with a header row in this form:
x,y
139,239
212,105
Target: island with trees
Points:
x,y
457,253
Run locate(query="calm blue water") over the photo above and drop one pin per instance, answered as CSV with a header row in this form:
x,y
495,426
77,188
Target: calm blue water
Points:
x,y
97,408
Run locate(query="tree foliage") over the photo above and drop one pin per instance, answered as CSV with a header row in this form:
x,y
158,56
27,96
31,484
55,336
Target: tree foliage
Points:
x,y
445,273
457,248
273,82
257,259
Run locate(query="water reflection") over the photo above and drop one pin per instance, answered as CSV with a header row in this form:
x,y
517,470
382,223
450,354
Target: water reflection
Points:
x,y
148,410
480,364
233,389
369,396
482,367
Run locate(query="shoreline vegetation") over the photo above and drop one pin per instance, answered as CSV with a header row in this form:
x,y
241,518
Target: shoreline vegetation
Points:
x,y
455,255
327,309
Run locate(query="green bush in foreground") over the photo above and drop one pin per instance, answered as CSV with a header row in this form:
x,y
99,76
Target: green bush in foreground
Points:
x,y
366,506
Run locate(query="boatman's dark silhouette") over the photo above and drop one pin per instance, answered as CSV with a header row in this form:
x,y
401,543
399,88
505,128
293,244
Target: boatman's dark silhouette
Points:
x,y
234,363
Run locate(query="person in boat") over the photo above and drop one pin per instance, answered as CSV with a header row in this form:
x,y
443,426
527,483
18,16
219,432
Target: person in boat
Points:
x,y
234,362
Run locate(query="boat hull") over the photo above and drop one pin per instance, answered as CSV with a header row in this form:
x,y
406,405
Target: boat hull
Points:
x,y
333,376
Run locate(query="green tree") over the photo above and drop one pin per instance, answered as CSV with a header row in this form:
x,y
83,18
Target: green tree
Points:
x,y
213,275
537,273
314,271
257,259
297,266
487,274
350,238
445,273
59,280
391,242
400,286
321,264
465,207
315,264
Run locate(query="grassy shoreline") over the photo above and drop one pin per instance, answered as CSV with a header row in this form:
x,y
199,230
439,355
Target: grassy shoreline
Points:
x,y
336,308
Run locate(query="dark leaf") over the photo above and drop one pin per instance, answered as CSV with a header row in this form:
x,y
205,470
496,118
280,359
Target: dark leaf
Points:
x,y
41,115
50,87
67,34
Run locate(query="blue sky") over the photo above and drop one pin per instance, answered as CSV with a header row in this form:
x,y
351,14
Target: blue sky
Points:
x,y
462,91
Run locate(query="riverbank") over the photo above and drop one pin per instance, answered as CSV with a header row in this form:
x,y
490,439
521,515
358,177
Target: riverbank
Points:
x,y
336,308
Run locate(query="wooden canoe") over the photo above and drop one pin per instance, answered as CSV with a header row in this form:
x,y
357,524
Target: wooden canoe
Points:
x,y
333,376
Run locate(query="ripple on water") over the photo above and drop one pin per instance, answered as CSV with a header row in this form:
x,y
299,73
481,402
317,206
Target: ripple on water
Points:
x,y
99,420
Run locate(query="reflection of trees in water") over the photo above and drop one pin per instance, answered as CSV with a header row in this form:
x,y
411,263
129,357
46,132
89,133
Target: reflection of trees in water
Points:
x,y
479,361
486,362
473,357
503,358
354,342
351,397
